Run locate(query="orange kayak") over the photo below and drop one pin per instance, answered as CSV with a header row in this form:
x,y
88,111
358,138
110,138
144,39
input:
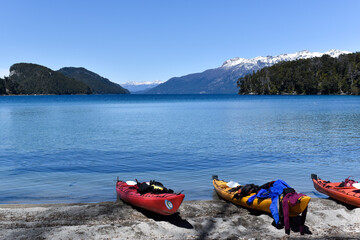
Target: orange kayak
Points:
x,y
349,195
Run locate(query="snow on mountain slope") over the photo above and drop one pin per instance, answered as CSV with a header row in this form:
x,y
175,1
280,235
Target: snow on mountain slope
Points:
x,y
134,87
222,80
270,60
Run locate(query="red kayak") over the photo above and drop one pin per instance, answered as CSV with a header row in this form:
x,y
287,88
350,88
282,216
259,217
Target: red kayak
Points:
x,y
346,194
162,203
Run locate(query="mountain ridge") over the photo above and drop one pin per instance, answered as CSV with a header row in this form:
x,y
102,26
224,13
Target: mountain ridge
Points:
x,y
222,80
97,83
139,87
304,54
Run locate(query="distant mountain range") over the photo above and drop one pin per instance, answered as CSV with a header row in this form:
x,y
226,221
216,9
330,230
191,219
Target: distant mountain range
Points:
x,y
27,78
140,87
222,80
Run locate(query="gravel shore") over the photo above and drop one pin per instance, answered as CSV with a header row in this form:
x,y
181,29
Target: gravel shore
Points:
x,y
210,219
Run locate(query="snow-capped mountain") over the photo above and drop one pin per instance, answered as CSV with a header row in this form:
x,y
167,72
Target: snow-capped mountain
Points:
x,y
134,87
270,60
222,80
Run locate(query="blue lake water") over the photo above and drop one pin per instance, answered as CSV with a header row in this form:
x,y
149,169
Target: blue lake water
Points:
x,y
71,148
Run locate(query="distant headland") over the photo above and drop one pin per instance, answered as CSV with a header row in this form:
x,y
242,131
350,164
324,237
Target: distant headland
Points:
x,y
33,79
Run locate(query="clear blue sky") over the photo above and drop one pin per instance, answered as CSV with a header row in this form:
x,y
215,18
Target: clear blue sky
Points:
x,y
144,40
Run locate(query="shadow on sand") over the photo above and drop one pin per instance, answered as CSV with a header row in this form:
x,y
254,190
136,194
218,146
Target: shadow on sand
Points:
x,y
294,221
348,206
174,219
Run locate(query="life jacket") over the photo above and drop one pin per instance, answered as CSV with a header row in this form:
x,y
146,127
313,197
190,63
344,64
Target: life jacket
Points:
x,y
235,189
246,190
348,182
273,192
143,188
277,190
152,187
157,187
267,185
292,197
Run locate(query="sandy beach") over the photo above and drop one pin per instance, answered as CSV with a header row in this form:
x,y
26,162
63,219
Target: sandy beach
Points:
x,y
210,219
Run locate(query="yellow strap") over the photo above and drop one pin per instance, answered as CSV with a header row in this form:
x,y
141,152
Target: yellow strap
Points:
x,y
157,187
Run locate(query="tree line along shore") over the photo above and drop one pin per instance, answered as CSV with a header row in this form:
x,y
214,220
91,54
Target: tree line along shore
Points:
x,y
320,75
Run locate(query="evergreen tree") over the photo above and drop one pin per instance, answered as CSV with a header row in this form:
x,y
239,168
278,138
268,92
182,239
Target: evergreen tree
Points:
x,y
323,75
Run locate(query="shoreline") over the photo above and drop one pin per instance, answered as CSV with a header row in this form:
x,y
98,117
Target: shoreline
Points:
x,y
197,219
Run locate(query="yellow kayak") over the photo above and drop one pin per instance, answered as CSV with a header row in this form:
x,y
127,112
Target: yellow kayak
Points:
x,y
259,204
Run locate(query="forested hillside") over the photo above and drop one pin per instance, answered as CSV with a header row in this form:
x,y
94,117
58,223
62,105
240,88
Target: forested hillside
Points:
x,y
320,75
7,86
36,79
28,78
97,84
2,87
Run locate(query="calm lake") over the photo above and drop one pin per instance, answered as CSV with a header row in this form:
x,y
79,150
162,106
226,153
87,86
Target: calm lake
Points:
x,y
71,148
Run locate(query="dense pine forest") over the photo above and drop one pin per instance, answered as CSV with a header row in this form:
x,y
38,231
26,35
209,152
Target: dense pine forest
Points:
x,y
27,78
321,75
8,87
37,79
97,84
